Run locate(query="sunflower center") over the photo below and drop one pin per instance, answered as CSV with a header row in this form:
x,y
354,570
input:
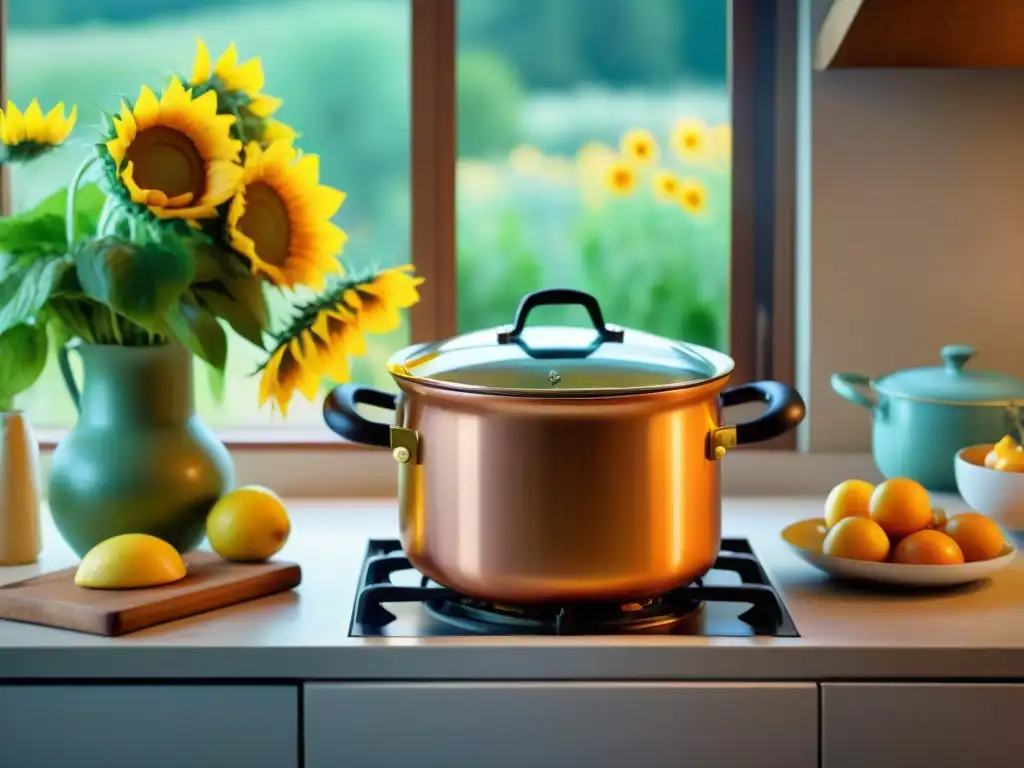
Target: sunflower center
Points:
x,y
267,223
165,159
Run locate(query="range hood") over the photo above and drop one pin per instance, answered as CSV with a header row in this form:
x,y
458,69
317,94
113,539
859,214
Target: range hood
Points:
x,y
922,33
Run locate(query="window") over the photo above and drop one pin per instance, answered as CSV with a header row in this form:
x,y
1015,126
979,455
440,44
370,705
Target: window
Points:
x,y
540,94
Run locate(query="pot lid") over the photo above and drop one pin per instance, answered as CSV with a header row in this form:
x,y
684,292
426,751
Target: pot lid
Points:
x,y
953,381
560,360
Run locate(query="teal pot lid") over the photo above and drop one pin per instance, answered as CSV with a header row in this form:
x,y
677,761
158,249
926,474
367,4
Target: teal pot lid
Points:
x,y
953,381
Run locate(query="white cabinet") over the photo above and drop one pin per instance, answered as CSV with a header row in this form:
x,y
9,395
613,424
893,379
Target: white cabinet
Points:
x,y
875,724
553,725
150,726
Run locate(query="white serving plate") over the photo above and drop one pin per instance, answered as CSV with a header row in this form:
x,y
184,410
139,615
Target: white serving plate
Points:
x,y
806,537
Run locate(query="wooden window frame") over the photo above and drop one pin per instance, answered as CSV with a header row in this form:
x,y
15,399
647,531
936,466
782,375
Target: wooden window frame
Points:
x,y
762,77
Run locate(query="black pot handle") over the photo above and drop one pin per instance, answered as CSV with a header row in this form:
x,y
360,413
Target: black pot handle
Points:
x,y
342,417
784,412
555,296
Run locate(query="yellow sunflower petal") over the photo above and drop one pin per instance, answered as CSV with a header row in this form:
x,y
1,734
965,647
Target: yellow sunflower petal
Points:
x,y
268,381
201,65
309,382
58,127
147,109
35,129
263,105
247,77
227,62
14,125
275,130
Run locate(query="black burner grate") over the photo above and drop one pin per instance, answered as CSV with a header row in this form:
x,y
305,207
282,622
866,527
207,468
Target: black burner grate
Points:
x,y
766,614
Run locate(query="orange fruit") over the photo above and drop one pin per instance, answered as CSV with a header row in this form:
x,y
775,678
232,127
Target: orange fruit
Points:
x,y
848,499
977,536
857,538
939,518
901,506
928,547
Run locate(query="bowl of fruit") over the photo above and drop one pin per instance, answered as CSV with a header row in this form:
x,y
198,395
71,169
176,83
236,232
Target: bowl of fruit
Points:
x,y
892,534
991,480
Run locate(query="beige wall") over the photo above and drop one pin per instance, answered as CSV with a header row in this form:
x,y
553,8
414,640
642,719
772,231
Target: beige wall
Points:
x,y
916,228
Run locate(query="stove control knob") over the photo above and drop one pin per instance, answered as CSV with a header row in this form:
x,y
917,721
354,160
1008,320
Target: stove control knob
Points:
x,y
401,454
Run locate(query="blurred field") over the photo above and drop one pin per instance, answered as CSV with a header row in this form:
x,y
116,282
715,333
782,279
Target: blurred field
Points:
x,y
343,71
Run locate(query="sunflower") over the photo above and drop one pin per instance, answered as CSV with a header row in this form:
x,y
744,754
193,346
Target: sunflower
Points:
x,y
666,185
620,178
175,155
320,344
29,135
639,146
280,219
692,196
690,139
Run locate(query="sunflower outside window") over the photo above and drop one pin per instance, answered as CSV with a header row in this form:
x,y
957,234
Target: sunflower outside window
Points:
x,y
205,206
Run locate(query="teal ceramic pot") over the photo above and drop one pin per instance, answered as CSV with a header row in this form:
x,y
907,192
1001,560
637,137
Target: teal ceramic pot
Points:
x,y
139,460
924,416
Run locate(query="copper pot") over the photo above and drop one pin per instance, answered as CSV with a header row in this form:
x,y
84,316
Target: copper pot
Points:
x,y
559,464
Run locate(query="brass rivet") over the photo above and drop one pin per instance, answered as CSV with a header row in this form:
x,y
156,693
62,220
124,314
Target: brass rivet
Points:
x,y
401,454
719,452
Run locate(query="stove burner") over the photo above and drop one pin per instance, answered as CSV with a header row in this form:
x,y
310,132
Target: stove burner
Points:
x,y
585,618
679,611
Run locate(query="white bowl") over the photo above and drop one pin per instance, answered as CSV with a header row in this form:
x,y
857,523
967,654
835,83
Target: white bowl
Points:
x,y
807,536
1000,495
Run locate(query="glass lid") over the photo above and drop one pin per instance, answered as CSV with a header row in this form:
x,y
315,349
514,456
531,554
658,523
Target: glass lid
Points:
x,y
560,360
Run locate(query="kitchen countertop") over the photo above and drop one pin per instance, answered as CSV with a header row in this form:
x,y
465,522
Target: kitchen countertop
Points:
x,y
976,632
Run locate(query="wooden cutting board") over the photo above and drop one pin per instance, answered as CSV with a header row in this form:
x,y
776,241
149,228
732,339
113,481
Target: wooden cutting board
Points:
x,y
54,600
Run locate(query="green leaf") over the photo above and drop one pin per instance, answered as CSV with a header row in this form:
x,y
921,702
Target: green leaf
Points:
x,y
199,331
240,303
138,281
32,234
214,262
25,290
216,379
41,231
23,350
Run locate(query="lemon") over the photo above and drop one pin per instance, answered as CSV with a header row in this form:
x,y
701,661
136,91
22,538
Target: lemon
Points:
x,y
857,538
129,561
248,524
901,506
848,499
978,537
928,547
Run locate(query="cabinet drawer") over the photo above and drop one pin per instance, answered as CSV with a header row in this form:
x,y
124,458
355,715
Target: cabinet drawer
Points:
x,y
150,726
864,724
552,725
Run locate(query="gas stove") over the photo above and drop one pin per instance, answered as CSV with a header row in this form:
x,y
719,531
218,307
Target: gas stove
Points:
x,y
734,599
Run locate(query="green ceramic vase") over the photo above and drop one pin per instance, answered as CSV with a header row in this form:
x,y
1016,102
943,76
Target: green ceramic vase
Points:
x,y
139,460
